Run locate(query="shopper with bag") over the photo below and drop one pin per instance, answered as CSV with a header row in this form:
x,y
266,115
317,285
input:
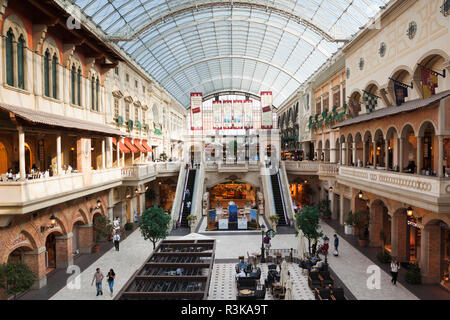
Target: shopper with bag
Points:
x,y
336,245
111,276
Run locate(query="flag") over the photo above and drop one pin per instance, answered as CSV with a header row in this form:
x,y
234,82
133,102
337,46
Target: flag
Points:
x,y
401,92
371,101
429,82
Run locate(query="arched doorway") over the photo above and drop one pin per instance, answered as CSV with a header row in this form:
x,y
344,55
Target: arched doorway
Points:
x,y
3,159
427,142
409,164
28,157
50,253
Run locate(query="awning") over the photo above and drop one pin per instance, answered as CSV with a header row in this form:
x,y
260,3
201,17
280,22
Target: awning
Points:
x,y
137,143
130,145
123,148
146,146
393,110
54,120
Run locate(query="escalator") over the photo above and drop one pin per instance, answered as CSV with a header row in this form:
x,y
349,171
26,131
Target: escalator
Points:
x,y
189,185
278,200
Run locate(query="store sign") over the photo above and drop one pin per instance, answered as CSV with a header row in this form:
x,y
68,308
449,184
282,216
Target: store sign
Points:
x,y
238,114
21,239
196,111
242,224
266,105
223,224
415,225
248,114
217,115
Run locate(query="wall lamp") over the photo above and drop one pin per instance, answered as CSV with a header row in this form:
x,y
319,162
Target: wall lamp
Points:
x,y
360,194
409,211
99,204
51,226
330,189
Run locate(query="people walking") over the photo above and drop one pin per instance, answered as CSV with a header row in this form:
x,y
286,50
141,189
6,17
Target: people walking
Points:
x,y
395,267
111,276
187,194
98,278
336,245
116,239
188,205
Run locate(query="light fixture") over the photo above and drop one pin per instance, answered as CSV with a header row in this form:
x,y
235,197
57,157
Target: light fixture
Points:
x,y
306,181
409,211
136,191
330,189
99,203
73,149
360,194
52,224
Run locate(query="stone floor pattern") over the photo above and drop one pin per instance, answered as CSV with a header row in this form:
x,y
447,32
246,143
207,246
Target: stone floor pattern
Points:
x,y
223,283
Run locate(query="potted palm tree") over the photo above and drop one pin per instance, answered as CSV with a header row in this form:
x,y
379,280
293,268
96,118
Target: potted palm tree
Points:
x,y
102,230
348,224
274,220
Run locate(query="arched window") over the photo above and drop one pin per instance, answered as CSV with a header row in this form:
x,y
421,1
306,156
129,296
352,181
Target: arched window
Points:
x,y
54,81
46,74
73,84
20,63
9,58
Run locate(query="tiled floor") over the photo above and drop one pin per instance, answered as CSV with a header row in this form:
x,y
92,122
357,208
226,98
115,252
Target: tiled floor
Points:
x,y
223,282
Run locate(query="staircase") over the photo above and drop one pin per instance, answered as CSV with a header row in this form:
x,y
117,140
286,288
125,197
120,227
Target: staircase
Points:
x,y
190,186
277,200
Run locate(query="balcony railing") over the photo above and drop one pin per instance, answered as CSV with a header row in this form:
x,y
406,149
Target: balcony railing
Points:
x,y
433,186
28,192
146,170
309,167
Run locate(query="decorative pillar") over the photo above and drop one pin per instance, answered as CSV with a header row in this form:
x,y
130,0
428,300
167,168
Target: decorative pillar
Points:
x,y
364,154
35,260
118,153
344,159
109,155
400,158
399,236
58,154
84,155
123,155
440,156
22,154
85,238
341,209
354,153
374,154
419,154
386,154
103,153
64,255
432,244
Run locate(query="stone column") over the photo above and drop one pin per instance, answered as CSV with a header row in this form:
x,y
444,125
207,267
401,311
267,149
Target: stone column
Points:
x,y
109,150
440,156
332,205
386,153
58,154
103,153
86,238
22,154
399,236
419,154
364,155
123,156
375,225
431,254
64,255
374,154
36,261
341,209
400,158
354,154
118,153
344,159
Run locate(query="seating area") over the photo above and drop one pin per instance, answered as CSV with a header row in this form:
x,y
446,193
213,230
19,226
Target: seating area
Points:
x,y
323,286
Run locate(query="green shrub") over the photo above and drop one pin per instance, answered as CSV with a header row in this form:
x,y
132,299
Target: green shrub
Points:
x,y
128,226
384,257
413,275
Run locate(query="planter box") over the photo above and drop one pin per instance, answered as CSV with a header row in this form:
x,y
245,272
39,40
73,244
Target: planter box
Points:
x,y
348,229
363,243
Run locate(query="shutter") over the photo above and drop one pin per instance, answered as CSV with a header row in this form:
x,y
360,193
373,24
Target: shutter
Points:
x,y
20,63
46,75
54,81
9,59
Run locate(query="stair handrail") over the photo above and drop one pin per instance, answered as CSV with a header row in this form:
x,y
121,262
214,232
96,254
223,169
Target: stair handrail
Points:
x,y
266,174
287,192
180,211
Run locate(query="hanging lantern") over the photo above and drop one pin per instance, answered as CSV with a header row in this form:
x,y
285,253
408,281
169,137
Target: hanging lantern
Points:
x,y
409,211
360,195
53,220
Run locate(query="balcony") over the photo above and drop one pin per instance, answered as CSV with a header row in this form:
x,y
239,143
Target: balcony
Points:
x,y
302,167
25,196
414,189
143,173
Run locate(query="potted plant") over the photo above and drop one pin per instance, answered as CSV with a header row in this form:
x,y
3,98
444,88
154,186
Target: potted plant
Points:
x,y
191,221
274,221
413,275
348,224
154,225
324,209
361,222
16,277
102,229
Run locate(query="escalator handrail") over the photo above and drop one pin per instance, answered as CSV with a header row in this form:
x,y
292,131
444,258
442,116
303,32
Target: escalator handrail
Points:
x,y
180,215
282,199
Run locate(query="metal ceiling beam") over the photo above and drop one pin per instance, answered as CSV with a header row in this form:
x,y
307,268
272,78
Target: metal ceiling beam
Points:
x,y
192,64
162,35
176,11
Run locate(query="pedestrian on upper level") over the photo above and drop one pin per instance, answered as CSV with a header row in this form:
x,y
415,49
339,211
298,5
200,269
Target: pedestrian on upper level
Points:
x,y
98,278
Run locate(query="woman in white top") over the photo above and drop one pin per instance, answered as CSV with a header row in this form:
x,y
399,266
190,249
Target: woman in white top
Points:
x,y
395,266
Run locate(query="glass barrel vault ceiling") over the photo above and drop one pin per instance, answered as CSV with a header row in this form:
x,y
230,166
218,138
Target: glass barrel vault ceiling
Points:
x,y
214,46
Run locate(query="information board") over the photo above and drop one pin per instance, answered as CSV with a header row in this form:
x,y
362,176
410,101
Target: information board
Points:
x,y
266,106
248,114
217,115
238,114
196,111
227,114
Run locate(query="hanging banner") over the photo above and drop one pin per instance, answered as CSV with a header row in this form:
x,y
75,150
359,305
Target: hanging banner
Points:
x,y
217,115
196,111
238,114
429,82
248,114
227,114
266,106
